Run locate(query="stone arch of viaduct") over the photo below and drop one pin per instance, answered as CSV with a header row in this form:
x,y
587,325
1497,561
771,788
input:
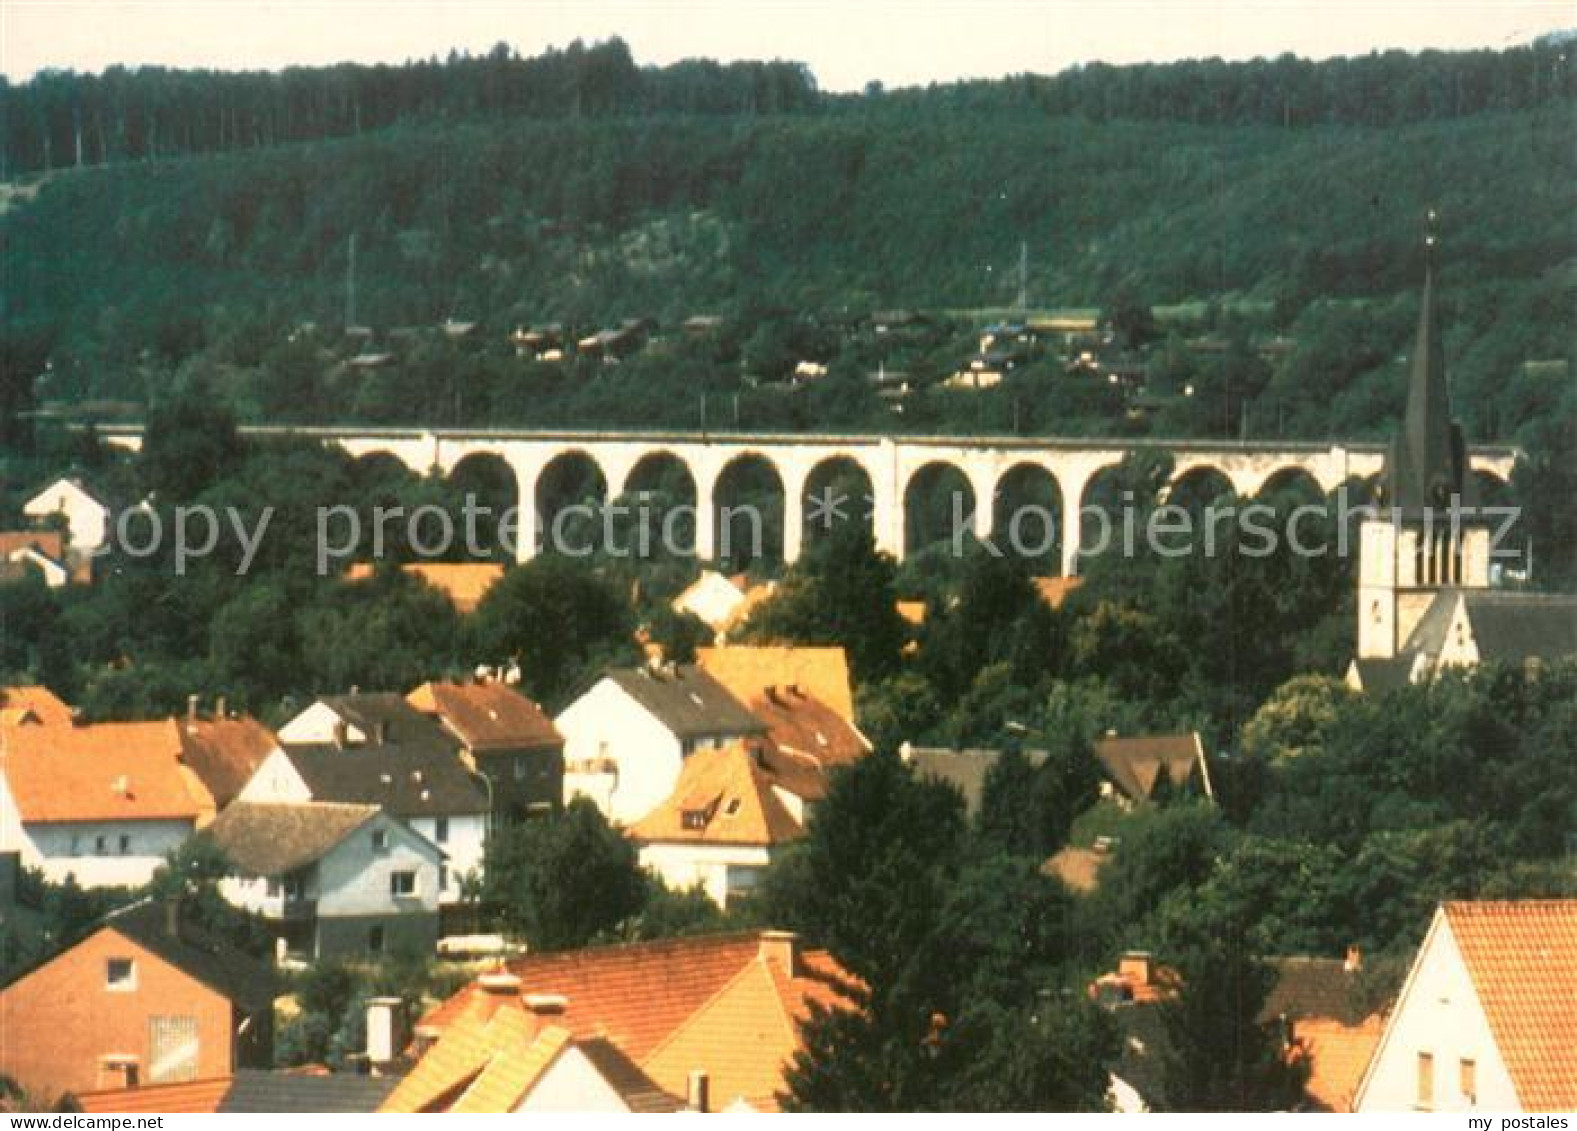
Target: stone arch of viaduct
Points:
x,y
890,463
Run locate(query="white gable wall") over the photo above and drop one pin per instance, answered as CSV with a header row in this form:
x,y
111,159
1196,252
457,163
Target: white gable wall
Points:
x,y
353,878
682,865
275,780
606,724
1438,1013
317,724
572,1084
87,519
465,847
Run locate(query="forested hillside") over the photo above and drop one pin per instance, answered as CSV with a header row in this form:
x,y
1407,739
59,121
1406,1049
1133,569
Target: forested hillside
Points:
x,y
1247,201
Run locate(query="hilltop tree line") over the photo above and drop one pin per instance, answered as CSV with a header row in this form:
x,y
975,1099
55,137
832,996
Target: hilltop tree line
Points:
x,y
61,119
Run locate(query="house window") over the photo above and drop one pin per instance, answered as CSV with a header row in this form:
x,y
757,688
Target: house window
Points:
x,y
120,975
380,840
443,877
118,1072
402,884
1467,1079
441,830
375,940
1426,1081
520,769
172,1049
694,819
101,846
125,846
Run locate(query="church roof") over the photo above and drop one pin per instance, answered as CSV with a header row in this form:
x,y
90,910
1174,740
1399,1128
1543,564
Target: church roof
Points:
x,y
1427,463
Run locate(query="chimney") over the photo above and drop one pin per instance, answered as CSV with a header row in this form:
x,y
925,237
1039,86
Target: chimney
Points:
x,y
1135,967
782,948
500,982
219,707
546,1005
384,1016
1354,961
380,731
698,1093
191,708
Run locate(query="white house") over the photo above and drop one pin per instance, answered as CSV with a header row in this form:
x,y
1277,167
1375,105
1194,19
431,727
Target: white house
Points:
x,y
723,824
1487,1019
102,803
626,738
332,879
88,518
428,789
712,599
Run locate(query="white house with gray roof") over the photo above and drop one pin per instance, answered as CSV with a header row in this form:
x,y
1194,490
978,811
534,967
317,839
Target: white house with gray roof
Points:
x,y
331,879
626,738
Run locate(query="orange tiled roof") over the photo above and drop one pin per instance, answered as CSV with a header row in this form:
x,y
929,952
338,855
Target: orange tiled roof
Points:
x,y
634,995
747,672
107,771
487,716
193,1097
912,611
1522,957
1054,590
464,583
727,1005
481,1062
1338,1056
800,723
724,796
747,1034
32,702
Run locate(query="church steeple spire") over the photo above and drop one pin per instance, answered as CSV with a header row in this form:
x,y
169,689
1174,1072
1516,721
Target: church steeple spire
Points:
x,y
1428,461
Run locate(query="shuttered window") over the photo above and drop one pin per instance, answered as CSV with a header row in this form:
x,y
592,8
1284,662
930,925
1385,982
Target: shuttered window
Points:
x,y
172,1049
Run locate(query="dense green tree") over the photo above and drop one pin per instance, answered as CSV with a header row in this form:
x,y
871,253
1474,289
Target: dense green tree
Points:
x,y
561,881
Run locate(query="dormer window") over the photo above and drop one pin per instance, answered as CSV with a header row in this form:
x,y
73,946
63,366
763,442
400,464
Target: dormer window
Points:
x,y
693,819
732,807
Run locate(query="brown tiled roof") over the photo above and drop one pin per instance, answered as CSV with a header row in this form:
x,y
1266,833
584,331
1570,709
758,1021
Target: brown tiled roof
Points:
x,y
107,771
800,723
1522,957
1314,987
634,995
194,1097
464,583
747,672
34,702
724,796
487,716
225,753
274,838
1135,764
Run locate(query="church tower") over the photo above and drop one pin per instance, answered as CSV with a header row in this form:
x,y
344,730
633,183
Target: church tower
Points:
x,y
1426,537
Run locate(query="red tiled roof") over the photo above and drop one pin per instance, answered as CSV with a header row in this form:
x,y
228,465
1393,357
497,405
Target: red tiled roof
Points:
x,y
1338,1056
1522,957
634,995
799,722
464,583
107,771
193,1097
1054,590
487,716
50,543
